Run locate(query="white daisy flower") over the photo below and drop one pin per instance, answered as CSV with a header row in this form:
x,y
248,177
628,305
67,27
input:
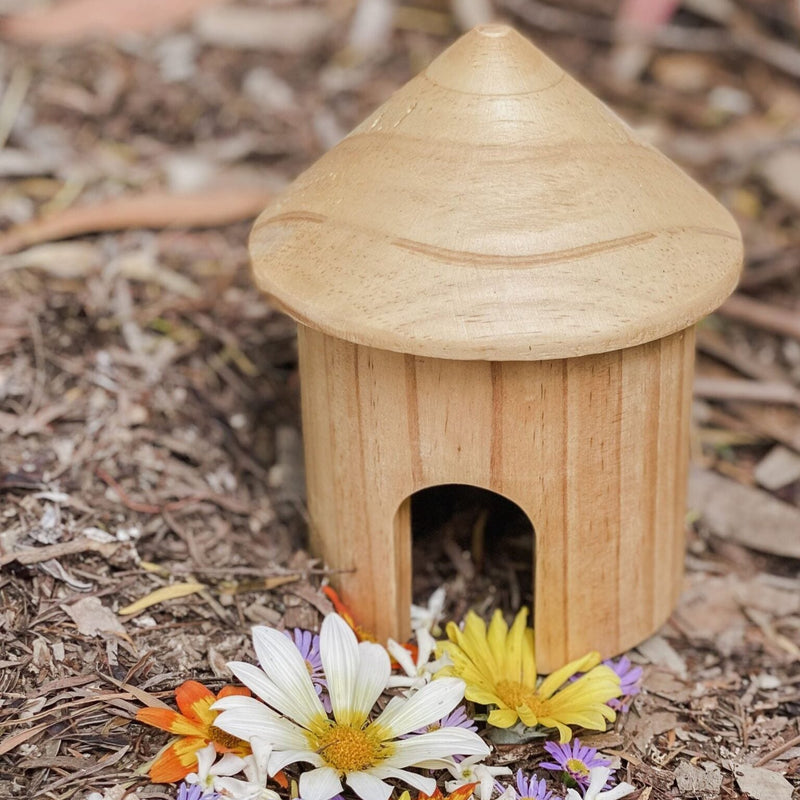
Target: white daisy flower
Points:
x,y
209,770
597,780
428,617
417,672
472,770
347,747
255,771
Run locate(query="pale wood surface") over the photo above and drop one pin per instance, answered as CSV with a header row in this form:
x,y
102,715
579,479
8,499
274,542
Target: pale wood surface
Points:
x,y
493,209
594,450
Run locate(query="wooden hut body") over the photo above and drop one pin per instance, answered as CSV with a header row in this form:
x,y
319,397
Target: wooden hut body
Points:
x,y
496,284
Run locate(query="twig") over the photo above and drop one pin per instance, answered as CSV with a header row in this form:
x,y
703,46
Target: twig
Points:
x,y
762,315
207,208
751,391
777,751
36,555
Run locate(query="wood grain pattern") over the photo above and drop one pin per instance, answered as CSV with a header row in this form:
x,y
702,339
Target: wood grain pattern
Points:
x,y
494,210
593,449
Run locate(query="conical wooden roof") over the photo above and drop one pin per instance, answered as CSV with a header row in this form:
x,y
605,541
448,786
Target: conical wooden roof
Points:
x,y
494,209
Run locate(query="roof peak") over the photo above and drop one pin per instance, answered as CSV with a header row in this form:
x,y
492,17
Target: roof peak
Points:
x,y
494,209
493,60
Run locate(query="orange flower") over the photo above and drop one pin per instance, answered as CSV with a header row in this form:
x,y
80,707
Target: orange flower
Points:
x,y
362,634
195,728
344,612
462,793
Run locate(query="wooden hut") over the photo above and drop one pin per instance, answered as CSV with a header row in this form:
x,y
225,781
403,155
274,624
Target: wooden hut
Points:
x,y
496,284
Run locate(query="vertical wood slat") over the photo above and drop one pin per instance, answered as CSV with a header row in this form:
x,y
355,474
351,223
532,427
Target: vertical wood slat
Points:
x,y
593,449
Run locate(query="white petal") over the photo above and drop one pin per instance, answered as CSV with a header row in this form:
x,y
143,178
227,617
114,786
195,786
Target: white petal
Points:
x,y
620,790
280,758
338,649
229,764
402,657
426,645
373,673
419,782
320,784
255,719
205,761
286,668
367,786
423,708
436,744
598,777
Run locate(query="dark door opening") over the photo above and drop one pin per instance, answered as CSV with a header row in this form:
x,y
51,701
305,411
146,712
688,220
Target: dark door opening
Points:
x,y
477,543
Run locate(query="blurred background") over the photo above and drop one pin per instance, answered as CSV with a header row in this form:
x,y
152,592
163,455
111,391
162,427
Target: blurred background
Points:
x,y
149,431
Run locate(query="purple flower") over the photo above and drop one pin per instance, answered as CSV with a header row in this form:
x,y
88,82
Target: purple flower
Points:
x,y
457,718
575,759
629,678
195,792
527,789
308,645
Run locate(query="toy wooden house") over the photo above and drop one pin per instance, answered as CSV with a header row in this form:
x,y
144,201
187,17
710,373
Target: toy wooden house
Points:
x,y
495,283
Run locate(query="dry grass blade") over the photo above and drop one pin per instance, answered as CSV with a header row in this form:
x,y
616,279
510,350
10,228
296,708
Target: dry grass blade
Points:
x,y
161,595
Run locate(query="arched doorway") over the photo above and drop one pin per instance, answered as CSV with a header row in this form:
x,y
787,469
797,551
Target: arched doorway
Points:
x,y
477,543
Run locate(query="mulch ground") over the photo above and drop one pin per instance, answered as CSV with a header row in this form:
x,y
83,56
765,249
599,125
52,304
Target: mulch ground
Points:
x,y
149,431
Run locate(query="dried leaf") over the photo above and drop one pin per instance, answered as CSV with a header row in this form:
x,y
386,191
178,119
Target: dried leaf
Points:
x,y
160,595
694,781
93,618
209,208
762,784
745,515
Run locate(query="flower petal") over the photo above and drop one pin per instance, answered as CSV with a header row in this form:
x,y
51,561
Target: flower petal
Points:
x,y
423,708
368,787
320,784
280,758
443,743
246,717
419,782
168,720
339,651
194,700
176,761
502,717
558,678
286,668
374,669
273,695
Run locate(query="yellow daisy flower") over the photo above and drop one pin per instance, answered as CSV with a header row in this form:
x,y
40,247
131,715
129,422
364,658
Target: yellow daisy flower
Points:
x,y
499,668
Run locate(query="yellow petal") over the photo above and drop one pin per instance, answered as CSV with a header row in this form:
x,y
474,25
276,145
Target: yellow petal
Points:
x,y
502,717
160,595
496,641
558,678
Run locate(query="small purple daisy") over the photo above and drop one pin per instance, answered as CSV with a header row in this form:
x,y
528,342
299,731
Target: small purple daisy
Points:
x,y
308,645
575,759
195,792
457,718
527,789
629,682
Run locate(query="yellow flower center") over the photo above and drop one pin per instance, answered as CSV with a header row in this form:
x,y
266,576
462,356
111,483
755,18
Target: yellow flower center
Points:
x,y
225,739
577,767
350,749
514,695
